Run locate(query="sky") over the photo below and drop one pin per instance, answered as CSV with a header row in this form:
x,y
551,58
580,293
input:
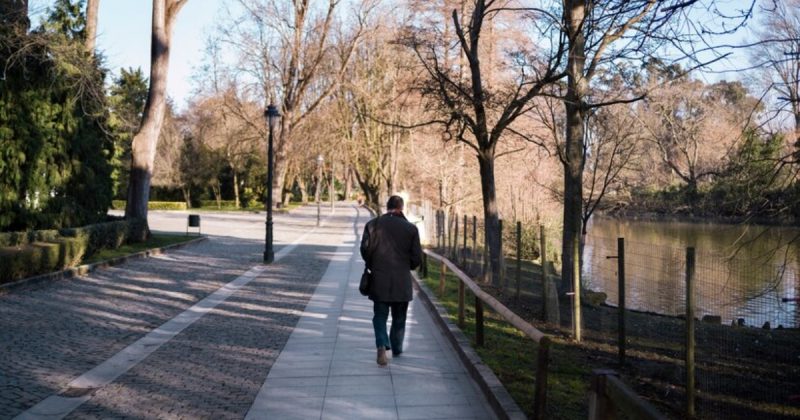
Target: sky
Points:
x,y
123,37
124,40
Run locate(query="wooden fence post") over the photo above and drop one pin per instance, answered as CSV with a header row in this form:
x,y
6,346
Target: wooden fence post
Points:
x,y
449,238
621,298
475,240
690,261
442,274
438,230
455,239
460,304
424,265
502,261
464,249
600,408
542,366
576,293
478,322
545,274
519,257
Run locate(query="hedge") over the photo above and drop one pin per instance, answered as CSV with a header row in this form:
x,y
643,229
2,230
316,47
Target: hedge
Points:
x,y
213,203
153,205
26,254
28,237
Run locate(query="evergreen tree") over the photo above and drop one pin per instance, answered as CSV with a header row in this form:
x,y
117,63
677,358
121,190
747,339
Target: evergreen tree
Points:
x,y
54,159
126,98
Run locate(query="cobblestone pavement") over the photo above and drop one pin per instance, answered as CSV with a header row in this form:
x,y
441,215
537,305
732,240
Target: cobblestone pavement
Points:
x,y
212,369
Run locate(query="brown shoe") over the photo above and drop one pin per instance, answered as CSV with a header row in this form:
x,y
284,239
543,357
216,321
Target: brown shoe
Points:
x,y
382,357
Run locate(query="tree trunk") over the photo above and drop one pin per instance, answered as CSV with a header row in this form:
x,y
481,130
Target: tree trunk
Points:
x,y
492,220
187,196
797,127
302,186
288,194
391,181
215,188
281,163
348,182
91,25
235,188
574,159
371,191
144,145
317,184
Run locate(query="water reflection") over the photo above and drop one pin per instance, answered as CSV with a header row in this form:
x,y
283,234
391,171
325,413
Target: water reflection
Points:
x,y
741,271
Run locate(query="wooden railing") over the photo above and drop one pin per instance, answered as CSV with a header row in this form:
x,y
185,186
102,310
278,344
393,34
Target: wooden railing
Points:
x,y
609,396
481,298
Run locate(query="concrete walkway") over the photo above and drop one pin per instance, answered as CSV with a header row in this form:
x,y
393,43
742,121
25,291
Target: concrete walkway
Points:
x,y
328,369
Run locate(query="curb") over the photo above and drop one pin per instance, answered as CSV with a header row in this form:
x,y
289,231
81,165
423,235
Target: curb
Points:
x,y
88,268
502,404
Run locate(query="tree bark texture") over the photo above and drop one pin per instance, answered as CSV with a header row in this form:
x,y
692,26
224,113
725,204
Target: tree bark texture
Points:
x,y
281,147
145,141
301,185
235,188
371,188
490,215
91,25
796,110
348,178
574,154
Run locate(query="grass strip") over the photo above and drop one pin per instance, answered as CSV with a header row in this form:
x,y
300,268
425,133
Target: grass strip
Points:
x,y
512,356
155,241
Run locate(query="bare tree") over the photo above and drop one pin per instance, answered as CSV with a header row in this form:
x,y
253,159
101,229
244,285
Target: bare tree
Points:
x,y
480,115
602,35
777,54
166,170
145,141
612,146
293,60
693,128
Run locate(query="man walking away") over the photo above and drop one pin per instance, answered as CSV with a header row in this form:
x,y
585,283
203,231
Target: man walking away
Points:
x,y
390,248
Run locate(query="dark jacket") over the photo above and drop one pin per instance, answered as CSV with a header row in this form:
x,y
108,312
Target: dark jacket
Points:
x,y
390,248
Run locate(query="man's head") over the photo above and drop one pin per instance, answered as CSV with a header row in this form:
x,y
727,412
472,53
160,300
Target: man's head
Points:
x,y
395,203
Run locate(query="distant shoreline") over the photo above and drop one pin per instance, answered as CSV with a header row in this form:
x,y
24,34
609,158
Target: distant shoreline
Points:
x,y
651,216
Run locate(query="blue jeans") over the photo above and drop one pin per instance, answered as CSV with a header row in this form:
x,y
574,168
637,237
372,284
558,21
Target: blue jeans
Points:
x,y
394,340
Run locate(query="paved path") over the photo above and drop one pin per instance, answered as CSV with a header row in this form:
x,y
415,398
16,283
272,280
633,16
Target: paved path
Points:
x,y
208,332
328,370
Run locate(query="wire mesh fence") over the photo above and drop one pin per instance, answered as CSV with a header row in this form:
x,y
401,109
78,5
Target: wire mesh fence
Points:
x,y
746,332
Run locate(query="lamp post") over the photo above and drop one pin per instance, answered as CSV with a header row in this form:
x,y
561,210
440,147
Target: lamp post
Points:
x,y
272,115
320,160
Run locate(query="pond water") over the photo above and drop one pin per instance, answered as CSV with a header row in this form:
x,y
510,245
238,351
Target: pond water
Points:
x,y
741,271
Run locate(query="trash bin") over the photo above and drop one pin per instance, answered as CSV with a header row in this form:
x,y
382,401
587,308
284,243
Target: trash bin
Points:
x,y
194,221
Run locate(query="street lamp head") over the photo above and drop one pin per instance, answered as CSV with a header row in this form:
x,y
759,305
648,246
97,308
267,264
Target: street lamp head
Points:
x,y
272,115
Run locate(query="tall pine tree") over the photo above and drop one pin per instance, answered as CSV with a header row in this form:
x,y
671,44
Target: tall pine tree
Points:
x,y
54,159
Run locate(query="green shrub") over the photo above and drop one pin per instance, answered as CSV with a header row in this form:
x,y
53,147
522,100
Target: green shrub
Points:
x,y
153,205
166,205
28,260
26,254
72,251
222,204
27,237
101,235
